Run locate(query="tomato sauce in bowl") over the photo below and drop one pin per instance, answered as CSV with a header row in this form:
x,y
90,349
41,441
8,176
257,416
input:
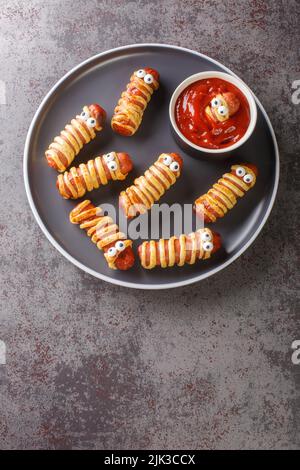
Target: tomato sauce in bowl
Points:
x,y
196,118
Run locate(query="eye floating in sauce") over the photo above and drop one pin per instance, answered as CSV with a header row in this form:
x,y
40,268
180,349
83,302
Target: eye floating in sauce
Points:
x,y
212,113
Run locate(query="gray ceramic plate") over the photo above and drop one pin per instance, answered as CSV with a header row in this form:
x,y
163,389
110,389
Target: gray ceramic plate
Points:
x,y
101,79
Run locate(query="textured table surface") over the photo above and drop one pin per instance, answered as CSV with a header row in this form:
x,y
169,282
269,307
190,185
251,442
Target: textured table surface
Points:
x,y
91,365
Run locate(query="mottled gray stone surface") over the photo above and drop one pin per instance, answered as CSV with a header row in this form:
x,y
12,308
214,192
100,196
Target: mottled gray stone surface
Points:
x,y
91,365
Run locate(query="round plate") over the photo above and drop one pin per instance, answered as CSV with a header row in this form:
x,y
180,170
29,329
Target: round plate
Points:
x,y
101,79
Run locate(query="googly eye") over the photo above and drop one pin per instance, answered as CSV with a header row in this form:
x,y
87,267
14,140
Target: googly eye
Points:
x,y
112,165
205,236
109,157
174,166
248,178
215,102
140,73
240,171
207,246
148,78
120,246
167,160
91,122
85,115
222,110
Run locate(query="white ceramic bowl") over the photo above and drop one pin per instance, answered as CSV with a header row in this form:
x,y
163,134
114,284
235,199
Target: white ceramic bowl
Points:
x,y
228,78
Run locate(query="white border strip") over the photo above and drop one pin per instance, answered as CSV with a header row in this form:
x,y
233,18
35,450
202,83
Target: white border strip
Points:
x,y
102,276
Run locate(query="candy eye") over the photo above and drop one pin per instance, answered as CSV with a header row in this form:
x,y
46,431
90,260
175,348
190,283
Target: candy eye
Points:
x,y
207,246
167,160
223,110
240,171
174,166
91,122
140,73
148,78
112,165
109,157
112,251
215,102
120,246
248,178
205,236
85,115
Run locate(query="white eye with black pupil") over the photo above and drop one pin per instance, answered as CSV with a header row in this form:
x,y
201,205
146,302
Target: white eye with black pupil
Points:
x,y
120,246
84,115
112,165
174,166
222,110
206,237
215,102
148,78
167,160
109,157
91,122
240,171
140,73
112,251
248,178
207,246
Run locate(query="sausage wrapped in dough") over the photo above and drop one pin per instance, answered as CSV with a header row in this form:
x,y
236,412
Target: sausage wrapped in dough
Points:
x,y
150,187
98,172
222,107
186,249
105,233
129,111
223,195
80,131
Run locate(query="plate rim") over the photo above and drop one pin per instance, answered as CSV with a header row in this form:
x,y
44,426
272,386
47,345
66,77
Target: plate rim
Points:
x,y
104,277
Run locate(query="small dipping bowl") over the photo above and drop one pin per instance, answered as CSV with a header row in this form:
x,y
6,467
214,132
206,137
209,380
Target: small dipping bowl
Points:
x,y
203,152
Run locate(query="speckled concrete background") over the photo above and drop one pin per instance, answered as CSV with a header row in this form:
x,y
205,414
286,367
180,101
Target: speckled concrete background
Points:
x,y
91,365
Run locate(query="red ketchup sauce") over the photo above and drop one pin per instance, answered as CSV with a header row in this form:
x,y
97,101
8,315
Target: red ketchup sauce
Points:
x,y
196,126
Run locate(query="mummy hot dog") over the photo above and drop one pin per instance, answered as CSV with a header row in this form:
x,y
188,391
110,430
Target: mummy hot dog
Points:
x,y
77,181
129,111
105,233
222,106
185,249
150,187
223,195
64,148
